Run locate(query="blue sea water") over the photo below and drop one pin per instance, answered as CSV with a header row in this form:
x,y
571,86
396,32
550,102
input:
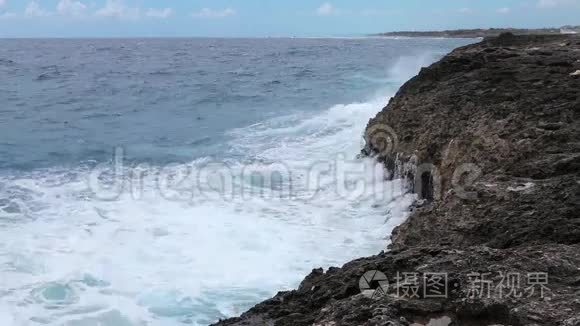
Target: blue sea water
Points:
x,y
104,218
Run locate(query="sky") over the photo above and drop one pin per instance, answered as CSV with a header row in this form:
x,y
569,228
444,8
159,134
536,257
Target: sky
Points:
x,y
262,18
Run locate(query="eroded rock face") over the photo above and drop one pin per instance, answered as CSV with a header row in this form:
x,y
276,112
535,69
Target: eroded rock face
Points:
x,y
507,112
490,137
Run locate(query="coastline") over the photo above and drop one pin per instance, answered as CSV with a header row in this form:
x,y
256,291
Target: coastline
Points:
x,y
482,33
487,137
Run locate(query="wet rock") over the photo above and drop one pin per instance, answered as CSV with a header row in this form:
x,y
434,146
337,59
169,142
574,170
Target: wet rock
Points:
x,y
489,138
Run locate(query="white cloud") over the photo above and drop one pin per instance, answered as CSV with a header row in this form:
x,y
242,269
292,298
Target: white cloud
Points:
x,y
465,11
117,9
159,13
33,10
326,9
2,3
556,3
211,13
504,10
70,8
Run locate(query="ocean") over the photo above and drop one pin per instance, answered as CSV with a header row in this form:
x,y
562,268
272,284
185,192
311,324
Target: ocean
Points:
x,y
180,181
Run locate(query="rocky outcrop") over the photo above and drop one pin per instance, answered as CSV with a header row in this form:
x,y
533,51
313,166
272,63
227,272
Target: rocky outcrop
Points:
x,y
489,137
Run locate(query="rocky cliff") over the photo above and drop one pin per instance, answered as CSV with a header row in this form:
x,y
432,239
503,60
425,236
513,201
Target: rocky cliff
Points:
x,y
489,138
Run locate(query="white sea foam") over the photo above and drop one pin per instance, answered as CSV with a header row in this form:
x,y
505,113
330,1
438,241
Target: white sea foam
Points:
x,y
67,258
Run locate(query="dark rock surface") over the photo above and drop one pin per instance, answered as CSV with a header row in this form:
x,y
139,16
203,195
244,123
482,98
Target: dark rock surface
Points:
x,y
490,137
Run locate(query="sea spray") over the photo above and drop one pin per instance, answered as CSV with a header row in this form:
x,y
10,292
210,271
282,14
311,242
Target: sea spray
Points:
x,y
167,247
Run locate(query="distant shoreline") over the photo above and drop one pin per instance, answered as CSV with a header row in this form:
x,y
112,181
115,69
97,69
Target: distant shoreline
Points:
x,y
482,33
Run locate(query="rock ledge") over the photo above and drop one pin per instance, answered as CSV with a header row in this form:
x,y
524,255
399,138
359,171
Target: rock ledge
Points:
x,y
490,138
